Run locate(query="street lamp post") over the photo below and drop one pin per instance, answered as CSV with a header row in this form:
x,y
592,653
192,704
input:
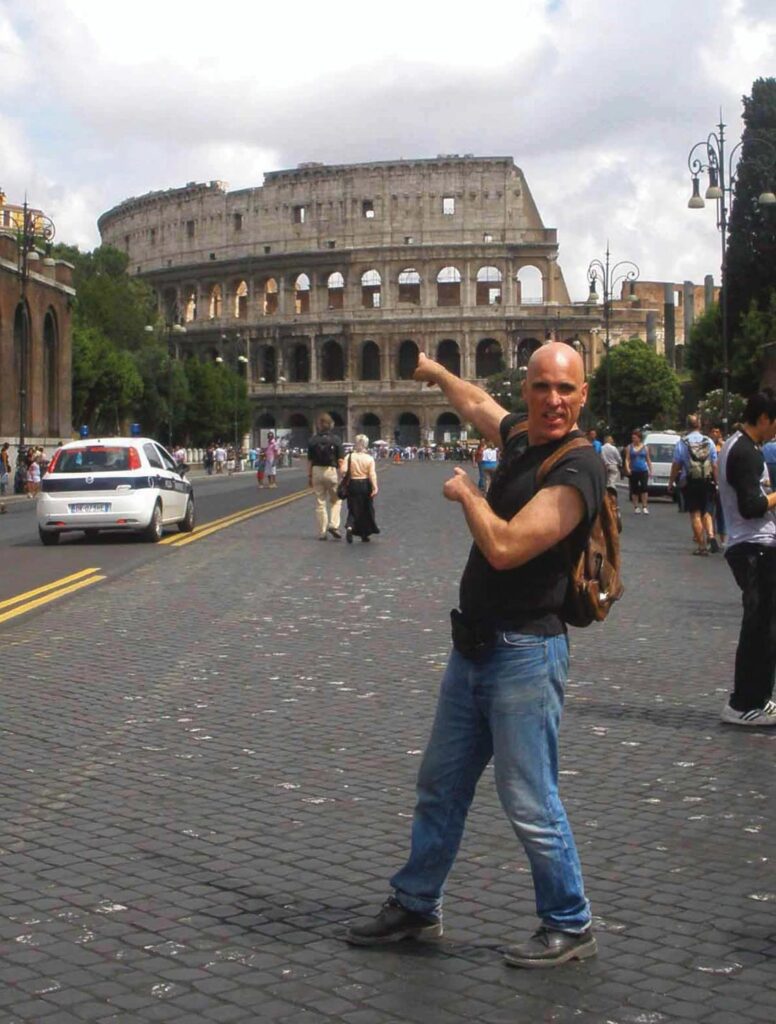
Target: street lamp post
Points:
x,y
721,190
609,275
35,228
240,360
173,328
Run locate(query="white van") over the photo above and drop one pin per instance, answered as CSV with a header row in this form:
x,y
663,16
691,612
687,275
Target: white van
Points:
x,y
660,446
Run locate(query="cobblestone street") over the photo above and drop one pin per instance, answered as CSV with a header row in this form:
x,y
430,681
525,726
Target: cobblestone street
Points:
x,y
208,769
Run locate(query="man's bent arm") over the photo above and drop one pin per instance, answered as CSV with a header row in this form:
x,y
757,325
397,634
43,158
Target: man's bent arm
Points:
x,y
472,403
548,517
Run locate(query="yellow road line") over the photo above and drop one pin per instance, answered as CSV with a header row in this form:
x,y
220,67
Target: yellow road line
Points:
x,y
48,586
30,605
236,517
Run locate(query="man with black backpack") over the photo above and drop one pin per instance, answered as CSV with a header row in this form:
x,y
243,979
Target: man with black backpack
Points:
x,y
324,454
502,692
695,466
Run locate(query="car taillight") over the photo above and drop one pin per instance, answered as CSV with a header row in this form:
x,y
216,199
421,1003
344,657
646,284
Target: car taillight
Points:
x,y
134,459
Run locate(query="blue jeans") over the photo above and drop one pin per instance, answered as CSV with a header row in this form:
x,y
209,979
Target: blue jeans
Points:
x,y
506,705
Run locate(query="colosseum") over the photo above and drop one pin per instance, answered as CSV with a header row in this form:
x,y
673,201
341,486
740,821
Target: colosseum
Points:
x,y
325,282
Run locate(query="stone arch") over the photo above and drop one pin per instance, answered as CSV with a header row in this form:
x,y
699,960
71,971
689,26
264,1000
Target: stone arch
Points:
x,y
409,286
408,359
189,303
369,424
447,424
408,430
332,361
489,358
21,349
265,421
530,285
216,302
370,361
270,297
525,349
241,300
302,294
299,363
336,290
298,430
449,355
51,371
170,305
489,286
371,289
269,364
449,287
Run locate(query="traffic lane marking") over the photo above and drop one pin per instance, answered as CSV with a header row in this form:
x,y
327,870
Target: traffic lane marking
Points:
x,y
200,533
47,586
53,595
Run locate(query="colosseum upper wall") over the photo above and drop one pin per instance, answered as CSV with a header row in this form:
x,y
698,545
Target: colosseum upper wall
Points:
x,y
328,280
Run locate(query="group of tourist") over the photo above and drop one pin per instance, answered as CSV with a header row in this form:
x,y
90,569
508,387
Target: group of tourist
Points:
x,y
25,478
336,477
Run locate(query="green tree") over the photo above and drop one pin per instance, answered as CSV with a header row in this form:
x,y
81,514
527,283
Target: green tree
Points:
x,y
644,388
703,350
710,407
506,388
106,382
750,274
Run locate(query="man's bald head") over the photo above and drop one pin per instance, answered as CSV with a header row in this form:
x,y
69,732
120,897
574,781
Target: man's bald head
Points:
x,y
557,356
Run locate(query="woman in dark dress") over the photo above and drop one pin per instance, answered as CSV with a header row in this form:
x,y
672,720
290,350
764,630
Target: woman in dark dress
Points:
x,y
362,488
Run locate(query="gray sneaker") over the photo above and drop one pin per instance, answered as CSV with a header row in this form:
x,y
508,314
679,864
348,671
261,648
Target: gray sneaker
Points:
x,y
550,948
760,717
393,924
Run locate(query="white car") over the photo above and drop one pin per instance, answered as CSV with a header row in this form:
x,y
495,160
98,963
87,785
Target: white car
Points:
x,y
113,483
660,446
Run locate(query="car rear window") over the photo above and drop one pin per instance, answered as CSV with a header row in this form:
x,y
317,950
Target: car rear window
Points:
x,y
661,452
92,459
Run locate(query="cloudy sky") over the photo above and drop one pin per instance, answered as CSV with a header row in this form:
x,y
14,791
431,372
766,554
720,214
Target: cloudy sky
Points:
x,y
598,103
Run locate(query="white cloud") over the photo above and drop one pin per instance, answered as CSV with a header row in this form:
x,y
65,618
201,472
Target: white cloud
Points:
x,y
599,108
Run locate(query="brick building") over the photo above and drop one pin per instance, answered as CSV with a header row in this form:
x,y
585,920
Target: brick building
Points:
x,y
35,364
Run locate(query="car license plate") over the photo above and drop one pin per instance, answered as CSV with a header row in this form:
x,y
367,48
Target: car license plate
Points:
x,y
90,506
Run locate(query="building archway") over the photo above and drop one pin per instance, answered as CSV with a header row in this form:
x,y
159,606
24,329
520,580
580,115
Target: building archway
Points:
x,y
299,364
50,374
490,358
448,428
488,286
449,355
408,430
409,286
530,286
189,303
170,306
241,300
525,349
22,342
332,361
369,424
371,289
269,371
336,290
216,302
302,294
370,361
270,297
298,430
408,359
449,287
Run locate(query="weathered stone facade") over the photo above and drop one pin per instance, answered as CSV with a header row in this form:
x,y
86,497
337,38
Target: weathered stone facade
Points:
x,y
330,279
47,303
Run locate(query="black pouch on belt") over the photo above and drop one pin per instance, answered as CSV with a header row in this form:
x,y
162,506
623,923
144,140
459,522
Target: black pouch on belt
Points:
x,y
471,638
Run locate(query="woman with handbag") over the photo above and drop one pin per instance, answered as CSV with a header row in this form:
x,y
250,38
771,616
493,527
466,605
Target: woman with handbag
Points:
x,y
359,480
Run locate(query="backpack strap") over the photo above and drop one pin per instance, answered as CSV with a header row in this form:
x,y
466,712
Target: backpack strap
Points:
x,y
552,460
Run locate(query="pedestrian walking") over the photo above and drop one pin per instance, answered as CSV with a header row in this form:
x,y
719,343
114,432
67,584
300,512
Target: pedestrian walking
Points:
x,y
751,554
489,465
695,467
5,474
219,457
502,692
324,454
359,467
270,460
638,466
209,459
33,476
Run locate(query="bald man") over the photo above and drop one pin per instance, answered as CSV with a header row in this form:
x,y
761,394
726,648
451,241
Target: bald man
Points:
x,y
502,693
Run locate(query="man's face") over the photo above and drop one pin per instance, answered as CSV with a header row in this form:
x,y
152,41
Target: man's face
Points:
x,y
715,434
554,391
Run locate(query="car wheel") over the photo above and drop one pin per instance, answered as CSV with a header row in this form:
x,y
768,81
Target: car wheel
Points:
x,y
48,537
186,525
154,530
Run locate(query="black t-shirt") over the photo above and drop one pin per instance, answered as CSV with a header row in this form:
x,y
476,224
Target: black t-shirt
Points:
x,y
529,599
325,450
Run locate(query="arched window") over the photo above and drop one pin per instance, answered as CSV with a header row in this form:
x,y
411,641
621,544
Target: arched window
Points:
x,y
371,289
530,287
241,300
449,355
336,287
50,376
490,358
189,302
369,424
525,349
488,286
170,305
332,361
299,367
216,302
409,286
269,371
408,359
448,428
339,423
302,294
265,422
449,287
370,361
408,432
270,297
